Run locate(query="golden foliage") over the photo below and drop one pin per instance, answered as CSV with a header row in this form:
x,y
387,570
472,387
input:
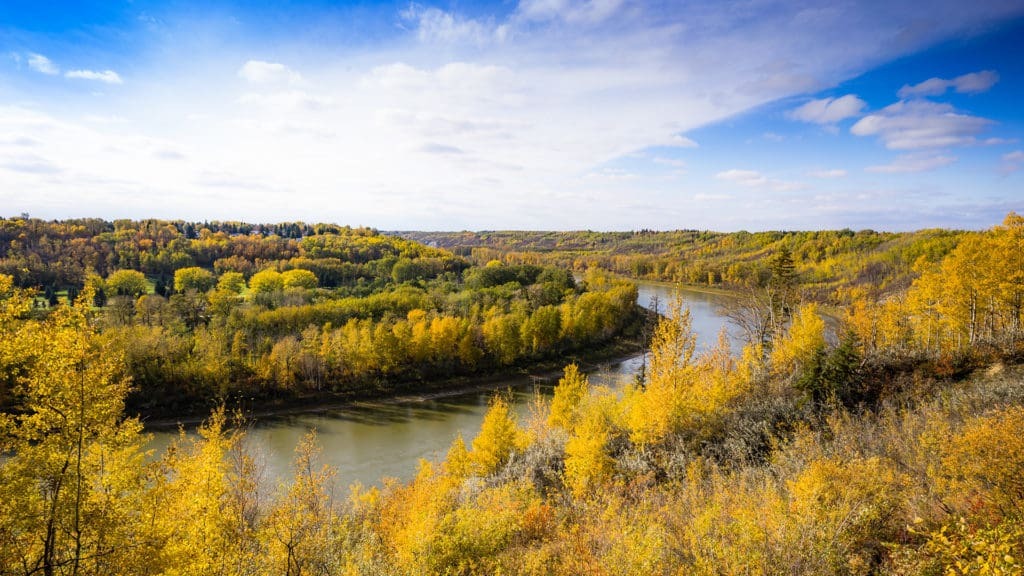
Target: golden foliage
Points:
x,y
804,338
983,466
499,436
570,391
587,463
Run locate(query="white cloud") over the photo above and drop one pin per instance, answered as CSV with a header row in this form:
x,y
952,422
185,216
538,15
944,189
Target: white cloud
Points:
x,y
104,119
612,174
825,174
286,100
972,83
914,124
755,179
42,64
261,72
29,164
680,141
105,76
438,148
829,110
572,11
705,197
673,162
750,178
975,82
912,163
434,25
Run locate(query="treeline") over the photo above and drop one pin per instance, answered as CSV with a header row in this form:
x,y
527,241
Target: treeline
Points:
x,y
796,456
972,300
58,255
828,263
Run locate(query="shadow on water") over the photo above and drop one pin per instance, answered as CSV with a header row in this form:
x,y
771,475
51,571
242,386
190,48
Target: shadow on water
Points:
x,y
370,414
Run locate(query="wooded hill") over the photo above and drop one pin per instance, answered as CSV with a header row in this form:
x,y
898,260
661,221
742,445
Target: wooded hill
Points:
x,y
208,312
829,264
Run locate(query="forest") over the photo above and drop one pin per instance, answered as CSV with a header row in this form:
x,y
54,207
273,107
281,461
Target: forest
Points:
x,y
830,263
206,312
893,446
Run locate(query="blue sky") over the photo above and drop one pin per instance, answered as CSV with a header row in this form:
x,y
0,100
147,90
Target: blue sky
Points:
x,y
528,114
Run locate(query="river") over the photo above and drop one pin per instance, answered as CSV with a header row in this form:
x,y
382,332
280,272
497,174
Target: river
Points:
x,y
368,441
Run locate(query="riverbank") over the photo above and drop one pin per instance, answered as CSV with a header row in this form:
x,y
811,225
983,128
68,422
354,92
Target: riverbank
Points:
x,y
688,287
626,345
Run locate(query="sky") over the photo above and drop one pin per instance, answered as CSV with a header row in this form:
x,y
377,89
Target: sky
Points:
x,y
516,114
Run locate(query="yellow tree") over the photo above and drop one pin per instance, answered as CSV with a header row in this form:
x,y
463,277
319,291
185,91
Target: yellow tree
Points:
x,y
75,461
802,341
587,463
193,278
126,283
571,390
266,282
1010,279
232,282
499,436
655,410
298,529
201,512
299,278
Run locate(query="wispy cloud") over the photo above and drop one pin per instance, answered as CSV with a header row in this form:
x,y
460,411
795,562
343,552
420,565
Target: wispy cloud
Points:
x,y
572,11
972,83
755,179
105,76
826,174
914,124
751,178
829,110
435,148
435,25
912,163
42,64
1013,161
673,162
680,141
612,174
262,72
30,165
705,197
